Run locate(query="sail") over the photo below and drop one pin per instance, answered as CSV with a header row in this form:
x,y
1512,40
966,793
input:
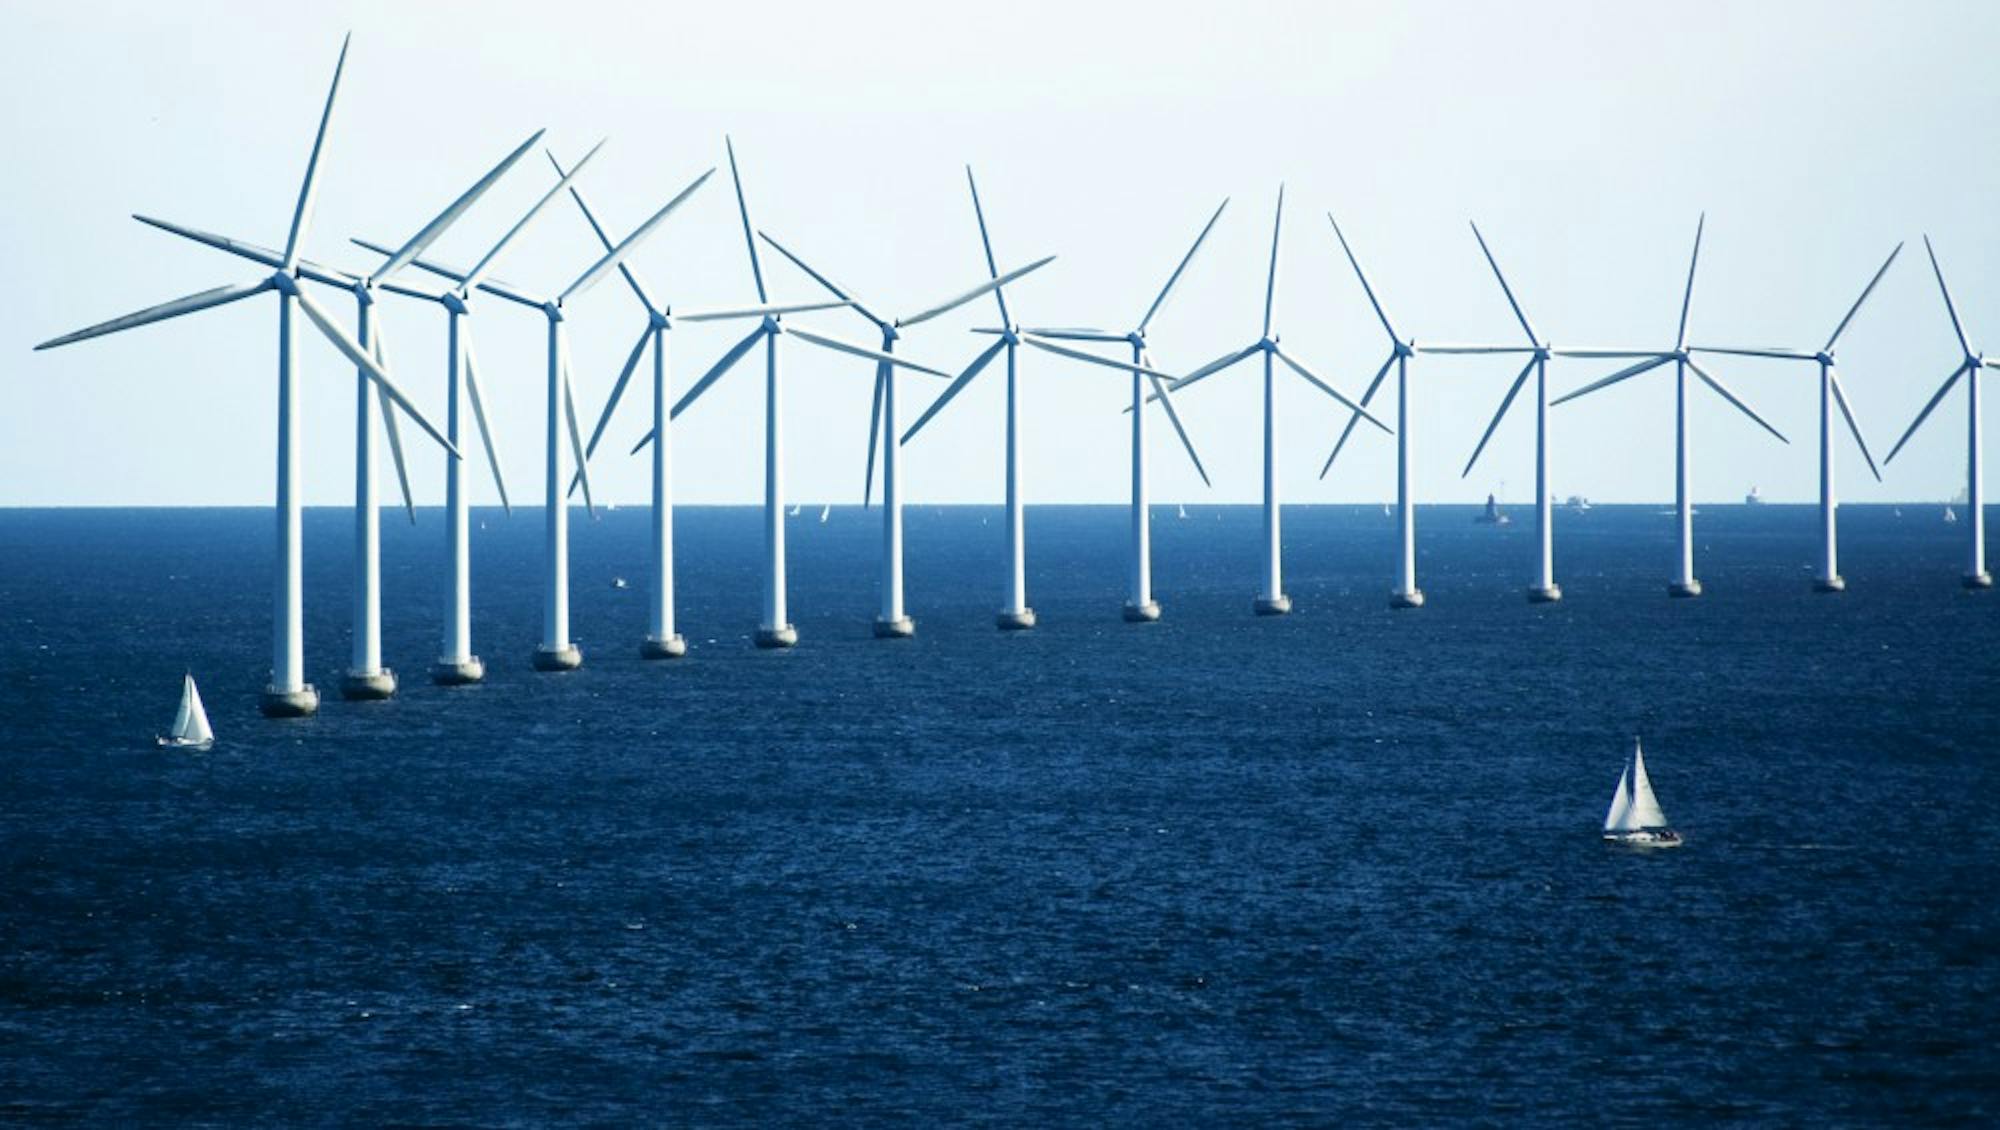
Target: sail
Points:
x,y
1645,811
191,721
1619,818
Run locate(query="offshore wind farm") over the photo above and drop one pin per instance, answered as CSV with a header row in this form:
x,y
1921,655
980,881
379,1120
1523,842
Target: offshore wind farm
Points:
x,y
1264,781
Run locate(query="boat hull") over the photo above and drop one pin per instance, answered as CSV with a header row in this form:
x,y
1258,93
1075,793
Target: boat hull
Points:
x,y
1645,838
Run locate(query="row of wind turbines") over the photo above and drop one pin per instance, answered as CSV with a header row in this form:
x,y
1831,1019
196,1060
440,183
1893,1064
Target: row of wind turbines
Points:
x,y
457,291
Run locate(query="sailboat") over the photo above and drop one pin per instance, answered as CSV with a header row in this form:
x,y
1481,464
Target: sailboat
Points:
x,y
1950,515
824,512
1183,507
793,512
190,730
1635,817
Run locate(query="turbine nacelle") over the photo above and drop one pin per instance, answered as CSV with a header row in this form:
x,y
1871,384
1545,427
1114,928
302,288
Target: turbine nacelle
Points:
x,y
286,282
553,309
454,301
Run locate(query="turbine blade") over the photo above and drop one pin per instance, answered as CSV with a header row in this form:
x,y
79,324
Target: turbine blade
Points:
x,y
1687,297
309,188
378,344
726,313
575,433
617,254
840,346
1069,334
1506,402
992,268
618,389
478,273
953,389
479,415
454,275
743,209
827,283
1626,373
345,342
1178,271
590,217
1166,399
219,296
1779,354
1840,398
1314,380
1950,307
1367,397
714,374
1271,281
1380,315
1208,370
1865,292
874,433
1471,349
437,227
956,301
1519,315
1602,354
1106,362
1709,379
1928,408
256,254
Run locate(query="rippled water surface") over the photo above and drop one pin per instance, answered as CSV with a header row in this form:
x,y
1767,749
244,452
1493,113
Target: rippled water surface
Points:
x,y
1337,866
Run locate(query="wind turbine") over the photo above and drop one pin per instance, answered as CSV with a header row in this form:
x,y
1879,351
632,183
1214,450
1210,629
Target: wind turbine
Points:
x,y
775,630
1271,599
1684,584
1140,607
893,622
1830,394
457,665
1976,576
366,678
288,695
1015,615
661,641
556,651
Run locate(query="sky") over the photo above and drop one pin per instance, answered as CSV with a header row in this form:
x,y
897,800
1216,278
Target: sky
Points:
x,y
1586,139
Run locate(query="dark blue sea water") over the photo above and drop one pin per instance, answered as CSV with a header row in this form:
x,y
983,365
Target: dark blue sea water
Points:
x,y
1337,867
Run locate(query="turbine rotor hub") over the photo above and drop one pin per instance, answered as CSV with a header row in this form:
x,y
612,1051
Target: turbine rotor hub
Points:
x,y
455,302
553,309
659,320
285,283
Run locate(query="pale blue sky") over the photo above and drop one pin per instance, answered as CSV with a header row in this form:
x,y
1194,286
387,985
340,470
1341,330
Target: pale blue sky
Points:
x,y
1584,137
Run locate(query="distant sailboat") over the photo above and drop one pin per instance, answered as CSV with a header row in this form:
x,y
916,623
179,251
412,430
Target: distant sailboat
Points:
x,y
1950,515
1183,509
190,729
1753,498
1635,817
793,512
824,511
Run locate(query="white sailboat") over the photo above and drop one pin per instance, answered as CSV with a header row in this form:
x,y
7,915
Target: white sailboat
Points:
x,y
190,729
1183,507
825,512
793,512
1635,817
1950,515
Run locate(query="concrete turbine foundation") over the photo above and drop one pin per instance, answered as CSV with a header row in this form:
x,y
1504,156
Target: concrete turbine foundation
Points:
x,y
1145,613
1018,620
669,647
1687,588
300,703
1977,580
1409,598
566,658
1545,594
1829,584
900,628
458,672
368,686
1278,605
779,637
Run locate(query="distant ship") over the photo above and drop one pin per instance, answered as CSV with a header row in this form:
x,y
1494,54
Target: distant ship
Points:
x,y
1492,515
824,511
190,729
1183,510
1753,498
1950,515
1578,503
619,583
1635,818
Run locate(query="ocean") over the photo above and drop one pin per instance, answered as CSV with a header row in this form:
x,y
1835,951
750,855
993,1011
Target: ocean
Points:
x,y
1337,867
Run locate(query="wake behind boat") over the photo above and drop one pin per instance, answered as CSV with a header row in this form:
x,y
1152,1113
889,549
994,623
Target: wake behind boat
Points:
x,y
1635,818
190,729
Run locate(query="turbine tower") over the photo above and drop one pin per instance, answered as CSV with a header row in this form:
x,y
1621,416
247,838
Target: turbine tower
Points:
x,y
1015,615
1976,576
775,629
366,677
288,695
893,622
1684,583
1271,599
661,640
456,664
1830,395
1140,607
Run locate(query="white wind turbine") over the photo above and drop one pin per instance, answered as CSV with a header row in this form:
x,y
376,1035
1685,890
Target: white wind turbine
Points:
x,y
775,630
557,652
1830,395
1271,599
661,641
366,678
288,695
456,664
893,622
1140,607
1976,576
1684,583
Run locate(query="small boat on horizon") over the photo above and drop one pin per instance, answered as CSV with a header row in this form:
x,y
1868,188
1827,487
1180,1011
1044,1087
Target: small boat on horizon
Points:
x,y
824,511
190,729
1950,515
1635,818
620,583
1753,498
1578,503
1183,507
793,512
1492,515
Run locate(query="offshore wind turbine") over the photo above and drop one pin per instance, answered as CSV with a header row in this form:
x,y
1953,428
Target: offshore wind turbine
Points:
x,y
1830,395
1271,599
456,664
661,640
288,695
893,622
366,677
1976,576
775,629
1140,607
1684,583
